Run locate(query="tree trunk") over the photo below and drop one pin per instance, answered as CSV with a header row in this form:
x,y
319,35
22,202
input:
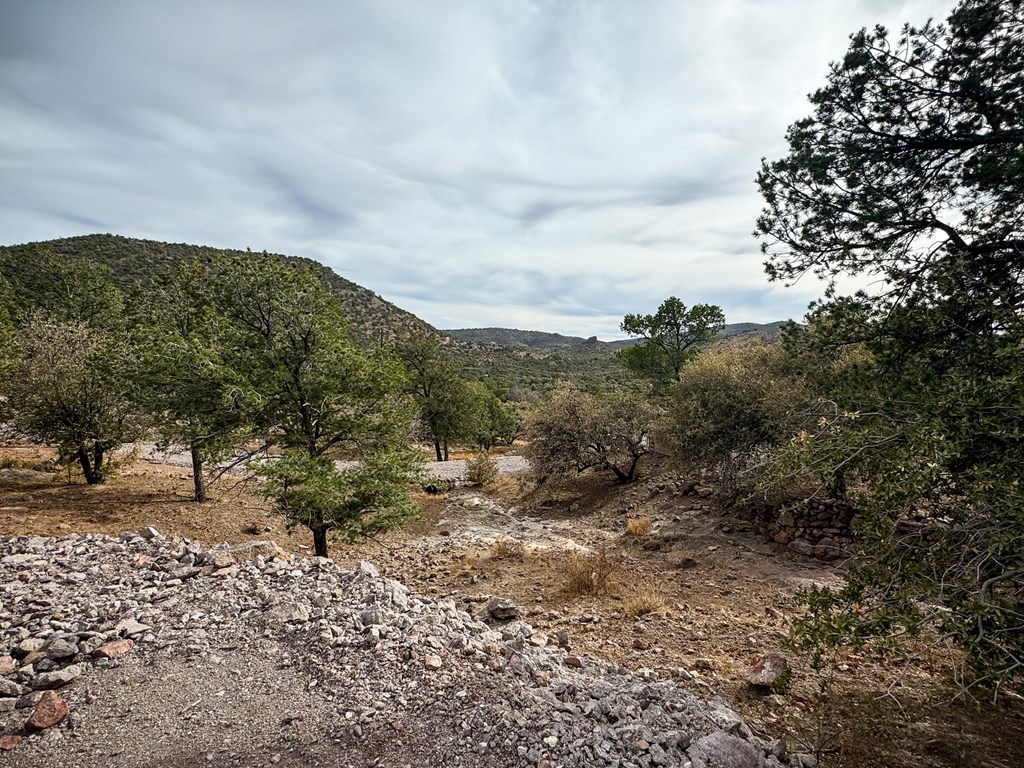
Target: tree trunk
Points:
x,y
632,469
320,541
437,449
91,476
446,449
97,461
198,481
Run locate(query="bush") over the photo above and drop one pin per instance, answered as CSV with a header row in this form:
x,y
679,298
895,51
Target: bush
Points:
x,y
481,470
638,526
644,597
507,548
732,401
589,574
576,430
437,485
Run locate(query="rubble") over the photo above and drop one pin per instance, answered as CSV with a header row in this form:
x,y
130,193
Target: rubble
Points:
x,y
391,674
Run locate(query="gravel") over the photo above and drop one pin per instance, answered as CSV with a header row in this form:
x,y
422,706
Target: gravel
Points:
x,y
251,657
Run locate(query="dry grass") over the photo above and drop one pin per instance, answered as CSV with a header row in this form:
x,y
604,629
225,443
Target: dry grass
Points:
x,y
644,597
590,574
430,508
481,470
638,526
505,548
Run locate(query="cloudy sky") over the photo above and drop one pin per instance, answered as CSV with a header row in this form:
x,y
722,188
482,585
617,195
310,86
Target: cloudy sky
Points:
x,y
537,164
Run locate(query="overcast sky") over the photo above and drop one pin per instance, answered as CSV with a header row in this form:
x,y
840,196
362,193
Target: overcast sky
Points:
x,y
539,165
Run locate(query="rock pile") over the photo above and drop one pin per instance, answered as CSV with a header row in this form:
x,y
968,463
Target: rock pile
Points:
x,y
404,680
821,528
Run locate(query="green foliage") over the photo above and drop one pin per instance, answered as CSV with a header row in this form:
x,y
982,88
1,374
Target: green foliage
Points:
x,y
318,393
450,408
733,401
130,261
490,420
183,379
576,430
69,389
8,335
671,336
66,289
362,500
910,171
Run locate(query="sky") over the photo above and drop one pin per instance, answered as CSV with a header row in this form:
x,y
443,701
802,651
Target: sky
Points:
x,y
538,164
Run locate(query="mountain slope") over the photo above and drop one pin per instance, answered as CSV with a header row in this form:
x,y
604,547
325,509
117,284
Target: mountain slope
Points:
x,y
540,340
132,260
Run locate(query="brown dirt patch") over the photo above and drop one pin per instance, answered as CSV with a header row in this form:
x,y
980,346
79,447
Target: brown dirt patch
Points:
x,y
727,596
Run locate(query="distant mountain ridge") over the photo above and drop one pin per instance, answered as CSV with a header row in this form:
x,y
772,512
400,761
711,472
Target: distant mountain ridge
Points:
x,y
541,340
132,260
528,363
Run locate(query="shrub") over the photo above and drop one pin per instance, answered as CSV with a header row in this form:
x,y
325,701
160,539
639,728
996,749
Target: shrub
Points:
x,y
734,400
437,485
481,470
507,548
644,597
638,526
576,430
589,574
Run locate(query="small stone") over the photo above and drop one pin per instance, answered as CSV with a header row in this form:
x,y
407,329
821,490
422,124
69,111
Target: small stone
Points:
x,y
574,661
562,636
219,559
372,616
828,548
50,710
61,648
149,532
640,644
7,665
10,689
367,569
9,742
28,645
724,750
114,649
498,609
767,671
29,700
58,678
288,613
802,547
432,662
132,628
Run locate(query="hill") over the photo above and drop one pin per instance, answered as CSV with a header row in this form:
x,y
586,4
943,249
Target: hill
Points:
x,y
540,340
137,261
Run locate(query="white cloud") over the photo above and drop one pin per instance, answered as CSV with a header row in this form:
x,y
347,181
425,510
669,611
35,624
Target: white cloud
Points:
x,y
530,164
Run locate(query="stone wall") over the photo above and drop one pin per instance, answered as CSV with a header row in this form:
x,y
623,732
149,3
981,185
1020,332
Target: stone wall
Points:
x,y
818,527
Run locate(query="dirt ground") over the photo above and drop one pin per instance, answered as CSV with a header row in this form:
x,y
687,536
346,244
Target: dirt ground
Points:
x,y
697,598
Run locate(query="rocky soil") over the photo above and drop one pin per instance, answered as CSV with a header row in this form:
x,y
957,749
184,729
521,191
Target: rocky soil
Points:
x,y
171,654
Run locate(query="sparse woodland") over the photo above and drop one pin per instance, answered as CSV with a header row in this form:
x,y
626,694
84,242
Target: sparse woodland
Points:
x,y
902,403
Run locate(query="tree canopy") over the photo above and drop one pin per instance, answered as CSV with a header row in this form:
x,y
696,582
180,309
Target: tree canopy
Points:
x,y
672,335
319,397
909,172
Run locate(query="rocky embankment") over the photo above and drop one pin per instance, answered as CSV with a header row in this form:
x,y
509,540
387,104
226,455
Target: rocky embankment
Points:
x,y
146,650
